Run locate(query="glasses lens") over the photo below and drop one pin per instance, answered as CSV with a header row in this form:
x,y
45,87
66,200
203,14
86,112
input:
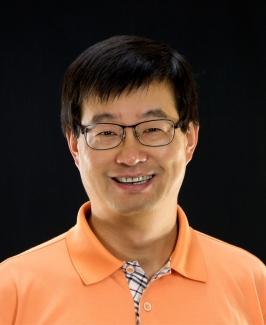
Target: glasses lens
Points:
x,y
155,133
104,136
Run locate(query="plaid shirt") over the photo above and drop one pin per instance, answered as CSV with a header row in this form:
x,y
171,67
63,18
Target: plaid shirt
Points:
x,y
138,281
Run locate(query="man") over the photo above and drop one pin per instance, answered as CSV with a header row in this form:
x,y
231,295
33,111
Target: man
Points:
x,y
129,114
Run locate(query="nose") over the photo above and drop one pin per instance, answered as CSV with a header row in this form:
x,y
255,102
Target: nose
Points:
x,y
131,151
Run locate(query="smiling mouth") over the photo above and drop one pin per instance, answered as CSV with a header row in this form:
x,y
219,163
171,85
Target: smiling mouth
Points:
x,y
133,180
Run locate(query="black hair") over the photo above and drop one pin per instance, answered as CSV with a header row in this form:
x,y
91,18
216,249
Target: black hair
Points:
x,y
123,63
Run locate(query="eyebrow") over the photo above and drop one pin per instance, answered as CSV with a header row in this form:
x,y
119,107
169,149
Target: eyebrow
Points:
x,y
105,117
98,118
158,112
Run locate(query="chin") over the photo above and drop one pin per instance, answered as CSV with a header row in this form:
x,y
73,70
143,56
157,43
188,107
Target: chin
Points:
x,y
132,208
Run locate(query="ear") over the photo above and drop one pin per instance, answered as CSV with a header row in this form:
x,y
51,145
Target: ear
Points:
x,y
72,142
192,134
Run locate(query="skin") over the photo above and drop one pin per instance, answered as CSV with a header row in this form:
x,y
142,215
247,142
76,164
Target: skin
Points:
x,y
135,224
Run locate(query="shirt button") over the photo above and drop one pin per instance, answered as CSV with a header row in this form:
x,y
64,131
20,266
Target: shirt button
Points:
x,y
130,269
147,306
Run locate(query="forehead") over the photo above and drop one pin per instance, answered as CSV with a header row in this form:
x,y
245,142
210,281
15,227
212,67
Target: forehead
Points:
x,y
155,100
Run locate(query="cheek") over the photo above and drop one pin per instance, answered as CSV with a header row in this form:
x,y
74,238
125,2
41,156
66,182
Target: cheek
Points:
x,y
92,165
177,167
174,154
175,162
85,163
90,171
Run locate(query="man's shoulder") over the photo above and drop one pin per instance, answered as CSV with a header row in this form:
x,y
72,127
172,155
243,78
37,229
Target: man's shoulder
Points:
x,y
46,252
219,252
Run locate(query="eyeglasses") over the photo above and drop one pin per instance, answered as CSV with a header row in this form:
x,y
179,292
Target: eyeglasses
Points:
x,y
152,133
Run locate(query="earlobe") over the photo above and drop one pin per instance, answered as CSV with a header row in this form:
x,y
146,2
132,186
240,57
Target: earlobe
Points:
x,y
192,140
72,142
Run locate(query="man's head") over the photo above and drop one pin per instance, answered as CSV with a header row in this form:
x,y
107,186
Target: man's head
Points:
x,y
121,64
130,81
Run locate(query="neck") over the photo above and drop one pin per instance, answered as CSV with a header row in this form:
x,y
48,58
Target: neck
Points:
x,y
148,239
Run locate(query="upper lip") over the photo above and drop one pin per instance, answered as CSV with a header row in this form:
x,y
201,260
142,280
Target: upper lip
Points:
x,y
133,175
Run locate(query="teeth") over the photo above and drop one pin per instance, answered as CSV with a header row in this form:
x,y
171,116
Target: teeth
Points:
x,y
133,179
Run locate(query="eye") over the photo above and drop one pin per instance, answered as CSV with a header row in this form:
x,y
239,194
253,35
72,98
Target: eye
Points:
x,y
152,130
106,133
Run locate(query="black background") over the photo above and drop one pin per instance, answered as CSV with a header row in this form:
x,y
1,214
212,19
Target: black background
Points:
x,y
224,189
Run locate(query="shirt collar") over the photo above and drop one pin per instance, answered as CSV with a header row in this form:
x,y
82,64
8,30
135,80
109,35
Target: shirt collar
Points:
x,y
187,257
94,262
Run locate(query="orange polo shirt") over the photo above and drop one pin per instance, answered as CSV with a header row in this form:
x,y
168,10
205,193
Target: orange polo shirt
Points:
x,y
73,279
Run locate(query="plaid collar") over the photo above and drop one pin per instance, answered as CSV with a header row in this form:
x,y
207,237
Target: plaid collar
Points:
x,y
138,281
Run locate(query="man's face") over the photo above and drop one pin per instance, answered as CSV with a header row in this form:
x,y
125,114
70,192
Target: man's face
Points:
x,y
101,170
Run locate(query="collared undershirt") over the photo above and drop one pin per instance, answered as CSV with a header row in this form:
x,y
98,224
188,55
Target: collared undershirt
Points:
x,y
138,281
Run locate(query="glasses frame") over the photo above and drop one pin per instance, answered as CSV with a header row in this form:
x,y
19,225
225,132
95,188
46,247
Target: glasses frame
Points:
x,y
84,131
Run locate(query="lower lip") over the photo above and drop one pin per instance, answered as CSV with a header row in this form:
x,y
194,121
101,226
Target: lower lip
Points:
x,y
134,187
